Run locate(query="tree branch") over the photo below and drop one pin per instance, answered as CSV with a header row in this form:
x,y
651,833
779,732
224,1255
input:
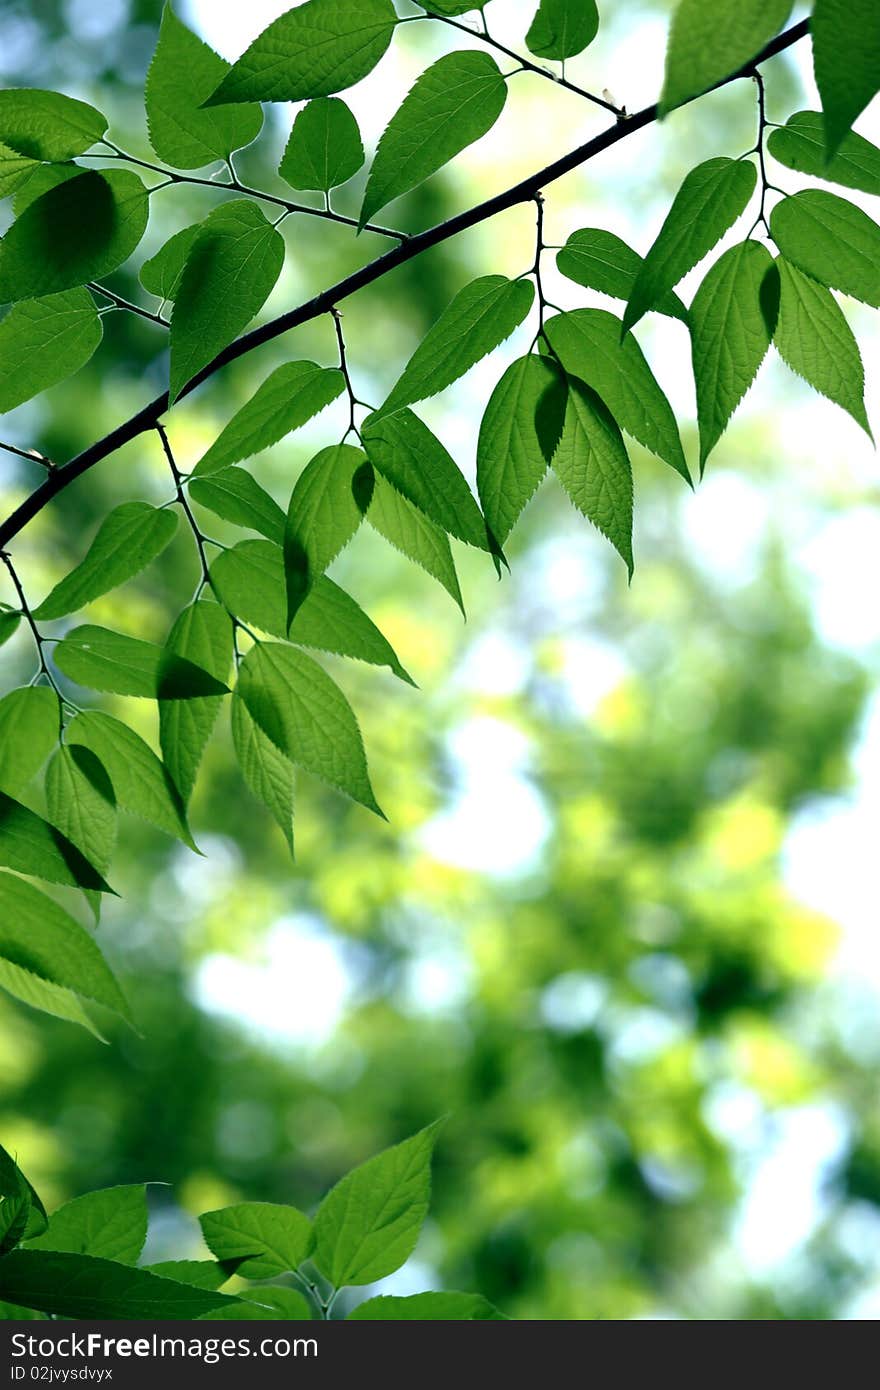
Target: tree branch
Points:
x,y
522,192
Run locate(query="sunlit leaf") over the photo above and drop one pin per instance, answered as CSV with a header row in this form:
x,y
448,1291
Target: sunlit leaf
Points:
x,y
325,147
709,41
110,1223
287,399
100,659
599,260
592,464
262,1239
816,341
800,145
846,57
202,634
518,435
830,239
47,125
128,539
562,28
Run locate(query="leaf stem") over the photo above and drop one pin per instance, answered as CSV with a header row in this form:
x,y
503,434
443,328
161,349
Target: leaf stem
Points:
x,y
343,367
38,637
182,498
234,184
119,303
526,65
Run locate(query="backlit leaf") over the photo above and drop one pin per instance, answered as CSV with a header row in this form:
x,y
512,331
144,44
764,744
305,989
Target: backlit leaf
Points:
x,y
368,1224
709,201
599,260
562,28
236,496
315,49
15,169
410,532
128,539
30,722
323,515
42,341
110,1223
201,634
325,147
480,317
830,239
455,102
425,1307
162,273
81,1286
307,717
709,41
289,397
846,57
30,845
183,74
229,274
265,769
592,464
800,145
81,803
100,659
46,125
78,231
515,446
816,341
278,1238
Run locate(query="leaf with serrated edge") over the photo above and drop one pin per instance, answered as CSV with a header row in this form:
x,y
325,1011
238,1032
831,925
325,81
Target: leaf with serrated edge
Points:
x,y
30,721
710,41
141,783
455,102
411,532
269,1238
110,1224
710,200
732,320
562,28
43,341
587,341
184,72
78,231
99,659
424,1307
368,1224
325,147
830,239
480,317
265,769
599,260
815,340
37,935
511,457
846,59
230,271
306,715
202,633
30,845
236,496
591,463
162,273
82,1286
323,515
800,145
287,399
47,125
129,538
81,803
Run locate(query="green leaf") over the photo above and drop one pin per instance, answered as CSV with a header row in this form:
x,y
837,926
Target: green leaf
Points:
x,y
141,783
9,621
410,532
42,341
800,145
709,201
183,74
325,147
455,102
733,316
816,341
323,515
265,1303
599,260
46,125
30,845
30,722
110,1224
846,58
307,717
236,496
368,1224
202,634
39,939
250,580
81,803
425,1307
270,1239
201,1274
162,273
16,1200
518,434
82,1286
128,539
265,769
99,659
47,998
287,399
588,343
707,42
412,459
15,169
591,463
450,7
562,28
313,50
480,317
229,274
830,239
44,177
78,231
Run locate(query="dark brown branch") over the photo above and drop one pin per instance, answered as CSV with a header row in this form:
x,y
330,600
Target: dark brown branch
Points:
x,y
323,303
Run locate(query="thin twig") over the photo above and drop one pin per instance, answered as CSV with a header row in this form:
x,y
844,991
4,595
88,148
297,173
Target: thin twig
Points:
x,y
187,509
28,616
343,367
119,303
526,65
522,192
32,455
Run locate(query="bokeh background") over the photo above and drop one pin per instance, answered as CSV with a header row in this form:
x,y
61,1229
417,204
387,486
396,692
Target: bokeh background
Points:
x,y
622,923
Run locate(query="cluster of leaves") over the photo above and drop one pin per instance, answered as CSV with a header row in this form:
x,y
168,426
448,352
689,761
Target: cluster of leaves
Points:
x,y
566,404
82,1261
